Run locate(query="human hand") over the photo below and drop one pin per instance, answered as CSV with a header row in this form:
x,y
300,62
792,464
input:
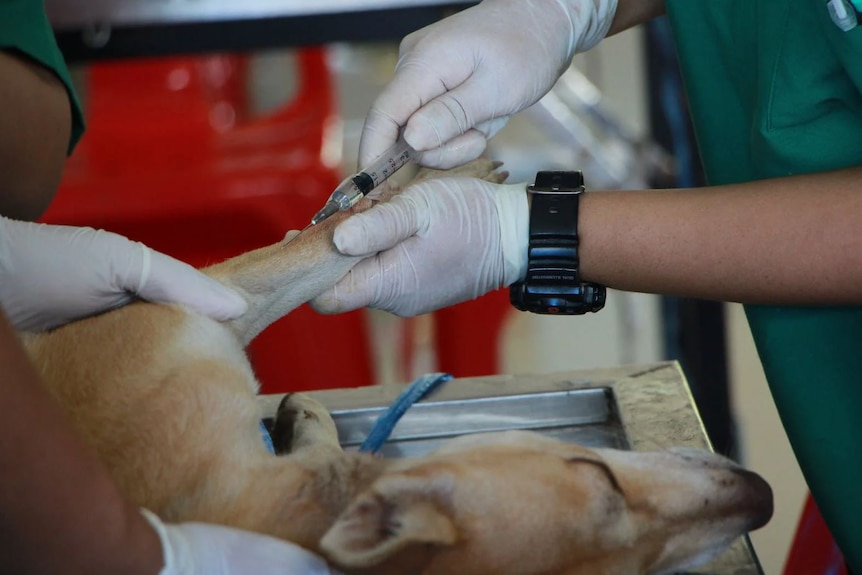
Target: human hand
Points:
x,y
50,275
204,549
458,80
440,242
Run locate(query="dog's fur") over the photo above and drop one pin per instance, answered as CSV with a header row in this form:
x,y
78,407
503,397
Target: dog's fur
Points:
x,y
167,398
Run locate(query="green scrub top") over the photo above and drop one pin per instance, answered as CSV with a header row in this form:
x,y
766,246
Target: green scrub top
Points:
x,y
775,89
24,29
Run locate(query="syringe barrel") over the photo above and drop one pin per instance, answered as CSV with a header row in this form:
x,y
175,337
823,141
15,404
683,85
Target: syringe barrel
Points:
x,y
389,162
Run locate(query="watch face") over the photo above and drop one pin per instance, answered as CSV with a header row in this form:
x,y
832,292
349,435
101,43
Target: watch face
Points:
x,y
571,180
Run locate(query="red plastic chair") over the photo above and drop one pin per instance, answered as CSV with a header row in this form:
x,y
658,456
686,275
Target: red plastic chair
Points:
x,y
172,158
813,551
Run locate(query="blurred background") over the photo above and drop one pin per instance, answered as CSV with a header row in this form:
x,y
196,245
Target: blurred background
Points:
x,y
210,133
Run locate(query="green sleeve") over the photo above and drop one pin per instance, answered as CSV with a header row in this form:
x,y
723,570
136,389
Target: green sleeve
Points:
x,y
24,28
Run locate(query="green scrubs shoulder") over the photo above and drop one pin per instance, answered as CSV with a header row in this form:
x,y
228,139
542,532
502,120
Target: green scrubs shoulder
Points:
x,y
775,89
24,29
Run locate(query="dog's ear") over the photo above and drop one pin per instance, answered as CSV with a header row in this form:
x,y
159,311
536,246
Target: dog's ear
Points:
x,y
399,512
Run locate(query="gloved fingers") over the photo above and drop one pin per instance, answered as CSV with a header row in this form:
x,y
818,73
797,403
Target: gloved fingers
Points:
x,y
441,244
408,43
408,91
254,554
50,275
159,278
455,152
379,133
456,111
358,289
383,226
387,282
75,272
490,127
207,549
416,82
329,303
53,311
464,148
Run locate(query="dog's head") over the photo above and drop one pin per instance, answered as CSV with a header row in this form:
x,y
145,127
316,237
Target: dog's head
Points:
x,y
520,503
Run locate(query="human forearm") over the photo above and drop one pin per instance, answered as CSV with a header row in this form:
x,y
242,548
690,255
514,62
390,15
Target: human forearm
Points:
x,y
36,121
792,241
59,510
782,241
633,12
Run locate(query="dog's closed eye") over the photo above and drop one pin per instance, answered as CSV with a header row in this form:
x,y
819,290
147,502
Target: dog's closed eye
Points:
x,y
604,467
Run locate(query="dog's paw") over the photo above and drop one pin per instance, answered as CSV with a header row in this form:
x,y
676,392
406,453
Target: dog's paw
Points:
x,y
481,168
300,422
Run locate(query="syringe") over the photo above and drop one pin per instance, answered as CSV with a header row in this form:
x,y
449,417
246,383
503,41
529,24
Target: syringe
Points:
x,y
355,187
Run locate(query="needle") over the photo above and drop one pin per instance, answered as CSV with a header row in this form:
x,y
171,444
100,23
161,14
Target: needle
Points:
x,y
297,235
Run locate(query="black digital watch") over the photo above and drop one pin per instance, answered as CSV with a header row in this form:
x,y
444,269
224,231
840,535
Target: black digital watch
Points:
x,y
553,284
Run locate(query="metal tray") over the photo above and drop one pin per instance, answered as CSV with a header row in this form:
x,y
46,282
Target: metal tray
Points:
x,y
586,416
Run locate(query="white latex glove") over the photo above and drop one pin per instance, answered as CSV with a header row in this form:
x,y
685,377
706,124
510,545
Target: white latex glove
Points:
x,y
441,242
458,80
50,275
204,549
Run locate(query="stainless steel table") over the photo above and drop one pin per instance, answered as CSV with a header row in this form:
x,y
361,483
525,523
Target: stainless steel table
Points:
x,y
97,29
636,407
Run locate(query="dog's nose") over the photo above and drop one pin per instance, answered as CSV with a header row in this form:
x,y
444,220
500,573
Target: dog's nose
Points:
x,y
756,497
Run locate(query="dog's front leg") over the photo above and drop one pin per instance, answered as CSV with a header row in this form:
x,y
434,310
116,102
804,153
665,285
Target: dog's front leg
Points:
x,y
303,490
276,279
302,423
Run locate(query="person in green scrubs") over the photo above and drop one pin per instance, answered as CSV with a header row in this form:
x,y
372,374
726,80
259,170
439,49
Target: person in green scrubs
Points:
x,y
775,91
59,510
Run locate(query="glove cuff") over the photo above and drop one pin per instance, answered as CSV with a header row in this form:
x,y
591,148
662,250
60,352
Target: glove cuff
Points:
x,y
169,567
146,268
590,21
513,212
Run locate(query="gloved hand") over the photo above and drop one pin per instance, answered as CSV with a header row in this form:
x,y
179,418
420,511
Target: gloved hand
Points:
x,y
204,549
441,242
458,80
50,275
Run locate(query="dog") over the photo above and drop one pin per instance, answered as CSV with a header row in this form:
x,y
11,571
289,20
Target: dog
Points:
x,y
167,398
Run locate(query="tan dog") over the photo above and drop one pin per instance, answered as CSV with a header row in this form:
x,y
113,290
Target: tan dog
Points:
x,y
167,399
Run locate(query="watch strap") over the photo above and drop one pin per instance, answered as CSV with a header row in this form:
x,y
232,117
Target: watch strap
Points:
x,y
552,283
552,255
